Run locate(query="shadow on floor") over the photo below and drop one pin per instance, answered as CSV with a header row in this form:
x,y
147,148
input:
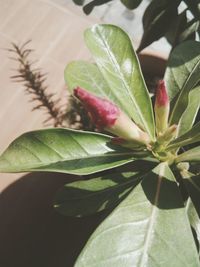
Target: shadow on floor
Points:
x,y
32,234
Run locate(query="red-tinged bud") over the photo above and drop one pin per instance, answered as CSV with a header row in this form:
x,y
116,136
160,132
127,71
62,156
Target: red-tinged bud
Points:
x,y
106,115
103,113
161,108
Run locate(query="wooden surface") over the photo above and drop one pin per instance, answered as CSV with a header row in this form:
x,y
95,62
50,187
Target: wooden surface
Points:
x,y
32,234
56,29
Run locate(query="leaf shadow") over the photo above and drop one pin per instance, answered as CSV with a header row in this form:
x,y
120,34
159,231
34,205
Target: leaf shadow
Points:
x,y
32,232
87,197
162,192
193,188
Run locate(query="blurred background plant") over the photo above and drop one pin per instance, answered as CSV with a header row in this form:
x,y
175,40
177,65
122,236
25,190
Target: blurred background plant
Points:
x,y
68,114
176,20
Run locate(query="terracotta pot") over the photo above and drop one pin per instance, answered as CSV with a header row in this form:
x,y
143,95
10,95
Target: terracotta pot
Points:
x,y
153,63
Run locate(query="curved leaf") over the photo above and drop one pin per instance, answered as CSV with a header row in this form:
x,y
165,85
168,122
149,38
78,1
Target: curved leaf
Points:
x,y
131,4
190,137
91,5
156,20
190,155
182,74
190,113
63,150
118,63
193,218
79,2
86,197
192,185
148,228
87,76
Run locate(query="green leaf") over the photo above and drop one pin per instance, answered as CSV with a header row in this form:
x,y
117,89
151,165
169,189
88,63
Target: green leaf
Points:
x,y
131,4
190,30
190,137
182,74
192,185
79,2
190,155
193,218
118,63
88,76
156,21
148,228
176,28
63,150
190,113
86,197
91,5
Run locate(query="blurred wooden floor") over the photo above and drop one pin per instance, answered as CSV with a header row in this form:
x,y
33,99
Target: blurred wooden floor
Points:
x,y
56,29
31,232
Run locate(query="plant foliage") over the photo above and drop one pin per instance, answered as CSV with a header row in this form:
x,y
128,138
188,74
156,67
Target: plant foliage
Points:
x,y
152,192
162,18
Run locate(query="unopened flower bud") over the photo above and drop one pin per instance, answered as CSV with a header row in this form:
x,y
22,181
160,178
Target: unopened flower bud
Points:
x,y
106,115
161,108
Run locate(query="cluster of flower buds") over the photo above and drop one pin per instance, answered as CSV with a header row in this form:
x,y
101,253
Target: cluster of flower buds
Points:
x,y
107,116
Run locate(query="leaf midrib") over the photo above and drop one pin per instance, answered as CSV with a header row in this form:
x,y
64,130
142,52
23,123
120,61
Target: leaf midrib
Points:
x,y
152,220
43,164
117,67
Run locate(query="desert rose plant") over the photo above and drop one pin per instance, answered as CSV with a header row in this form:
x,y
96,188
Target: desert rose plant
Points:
x,y
143,168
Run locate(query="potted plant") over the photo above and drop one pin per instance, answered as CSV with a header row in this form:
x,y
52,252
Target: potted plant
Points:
x,y
143,170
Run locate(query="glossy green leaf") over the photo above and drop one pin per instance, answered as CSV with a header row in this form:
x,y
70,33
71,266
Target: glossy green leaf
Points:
x,y
190,137
156,21
63,150
131,4
118,63
190,155
89,196
182,74
148,228
88,76
190,113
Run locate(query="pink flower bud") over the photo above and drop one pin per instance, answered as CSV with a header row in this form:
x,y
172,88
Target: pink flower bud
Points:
x,y
161,108
103,113
106,115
